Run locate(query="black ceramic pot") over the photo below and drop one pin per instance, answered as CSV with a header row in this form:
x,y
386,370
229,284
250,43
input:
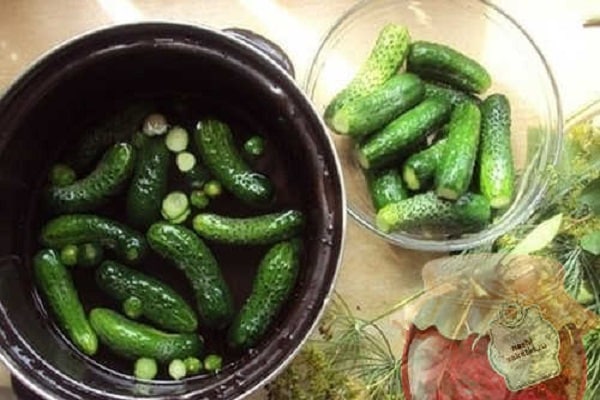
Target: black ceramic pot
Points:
x,y
233,73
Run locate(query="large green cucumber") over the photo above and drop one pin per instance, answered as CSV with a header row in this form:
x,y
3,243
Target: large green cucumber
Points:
x,y
455,170
86,194
148,186
272,286
133,340
189,253
217,148
369,113
393,142
160,303
496,166
262,229
386,56
443,63
55,282
428,213
86,228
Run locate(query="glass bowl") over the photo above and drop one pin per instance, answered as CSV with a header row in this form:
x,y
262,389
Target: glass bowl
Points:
x,y
482,31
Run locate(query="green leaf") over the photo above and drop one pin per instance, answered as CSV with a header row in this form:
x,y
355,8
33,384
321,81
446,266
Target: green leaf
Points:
x,y
540,237
591,243
590,196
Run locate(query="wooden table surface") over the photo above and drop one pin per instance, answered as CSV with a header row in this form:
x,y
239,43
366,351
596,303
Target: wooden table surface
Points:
x,y
29,28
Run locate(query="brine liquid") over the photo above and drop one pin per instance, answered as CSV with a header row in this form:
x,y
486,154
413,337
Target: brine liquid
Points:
x,y
238,263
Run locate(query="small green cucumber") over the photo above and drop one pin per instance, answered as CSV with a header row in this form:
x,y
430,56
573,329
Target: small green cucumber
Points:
x,y
419,169
88,193
159,303
254,147
455,169
273,284
217,148
444,64
118,128
133,340
373,111
428,213
496,167
386,56
84,228
262,229
386,187
149,183
189,253
390,144
55,283
448,94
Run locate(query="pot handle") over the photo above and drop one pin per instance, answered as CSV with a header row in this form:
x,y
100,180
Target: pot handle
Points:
x,y
265,46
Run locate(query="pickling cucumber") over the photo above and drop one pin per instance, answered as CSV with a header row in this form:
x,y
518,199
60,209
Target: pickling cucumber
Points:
x,y
88,193
371,112
133,340
189,253
455,169
263,229
386,187
496,168
428,213
217,148
149,183
128,244
419,169
118,128
272,286
55,283
159,303
386,56
447,93
444,64
390,144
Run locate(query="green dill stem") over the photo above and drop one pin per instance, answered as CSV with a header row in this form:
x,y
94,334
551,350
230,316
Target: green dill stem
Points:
x,y
395,308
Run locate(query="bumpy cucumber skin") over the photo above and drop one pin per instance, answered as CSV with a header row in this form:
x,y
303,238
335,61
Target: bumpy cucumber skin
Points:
x,y
215,144
386,56
129,245
119,128
86,194
272,286
496,166
190,254
369,113
419,169
386,186
55,282
426,212
263,229
455,169
160,303
450,95
133,340
148,185
386,146
442,63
